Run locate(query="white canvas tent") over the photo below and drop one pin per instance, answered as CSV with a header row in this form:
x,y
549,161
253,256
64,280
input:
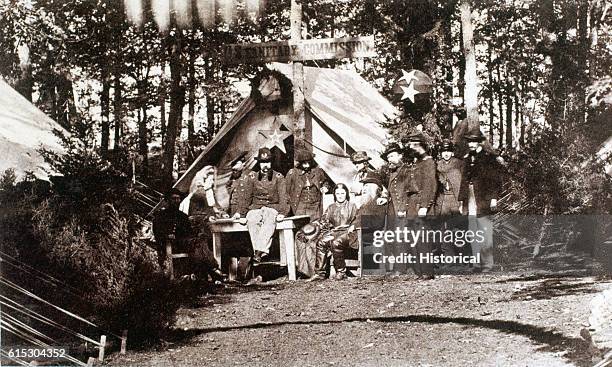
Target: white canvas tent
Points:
x,y
345,112
23,129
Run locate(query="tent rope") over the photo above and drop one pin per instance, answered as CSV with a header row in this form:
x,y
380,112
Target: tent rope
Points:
x,y
33,314
7,282
13,330
4,255
16,360
325,151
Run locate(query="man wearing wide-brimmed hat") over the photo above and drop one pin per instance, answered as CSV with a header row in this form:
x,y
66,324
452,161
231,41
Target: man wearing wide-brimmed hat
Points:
x,y
305,185
263,200
481,185
360,159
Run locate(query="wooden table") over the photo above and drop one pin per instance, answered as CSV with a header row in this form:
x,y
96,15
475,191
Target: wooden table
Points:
x,y
284,228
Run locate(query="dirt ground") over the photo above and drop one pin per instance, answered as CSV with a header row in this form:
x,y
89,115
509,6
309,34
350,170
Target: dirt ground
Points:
x,y
458,320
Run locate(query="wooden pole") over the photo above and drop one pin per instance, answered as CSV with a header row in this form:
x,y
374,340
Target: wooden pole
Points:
x,y
299,126
471,78
124,335
102,346
169,259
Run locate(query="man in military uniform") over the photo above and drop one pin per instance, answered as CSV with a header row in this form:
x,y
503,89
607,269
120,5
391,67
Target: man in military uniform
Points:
x,y
449,171
397,180
480,188
263,200
238,246
421,192
360,160
305,186
237,177
448,206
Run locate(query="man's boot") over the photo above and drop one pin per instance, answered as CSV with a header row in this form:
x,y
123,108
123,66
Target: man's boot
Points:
x,y
340,274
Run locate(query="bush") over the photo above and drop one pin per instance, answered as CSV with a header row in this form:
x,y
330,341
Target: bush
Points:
x,y
80,231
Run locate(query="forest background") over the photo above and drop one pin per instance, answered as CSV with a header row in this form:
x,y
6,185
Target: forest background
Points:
x,y
147,84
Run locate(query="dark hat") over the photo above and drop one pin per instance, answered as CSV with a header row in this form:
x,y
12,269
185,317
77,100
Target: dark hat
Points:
x,y
392,147
447,146
173,191
310,230
417,137
359,157
303,156
475,136
241,156
372,177
264,155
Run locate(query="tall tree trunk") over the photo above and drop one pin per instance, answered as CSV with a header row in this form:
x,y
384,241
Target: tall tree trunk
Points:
x,y
118,107
583,60
177,101
191,99
471,78
65,100
447,67
509,120
519,127
25,83
461,81
162,114
500,105
105,107
491,106
210,100
522,138
143,144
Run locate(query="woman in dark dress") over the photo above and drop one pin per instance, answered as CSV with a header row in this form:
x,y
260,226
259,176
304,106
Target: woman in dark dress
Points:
x,y
340,234
202,207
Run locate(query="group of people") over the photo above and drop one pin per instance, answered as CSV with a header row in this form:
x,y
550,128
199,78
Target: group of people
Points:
x,y
411,185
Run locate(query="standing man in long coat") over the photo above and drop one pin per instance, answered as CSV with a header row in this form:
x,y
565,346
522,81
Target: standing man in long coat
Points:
x,y
306,184
397,180
263,201
481,186
449,170
421,195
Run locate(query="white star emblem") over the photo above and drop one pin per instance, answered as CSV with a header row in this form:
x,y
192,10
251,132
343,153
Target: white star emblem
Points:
x,y
408,76
275,138
409,92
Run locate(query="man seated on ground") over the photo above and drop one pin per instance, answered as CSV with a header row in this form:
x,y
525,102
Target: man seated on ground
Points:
x,y
263,201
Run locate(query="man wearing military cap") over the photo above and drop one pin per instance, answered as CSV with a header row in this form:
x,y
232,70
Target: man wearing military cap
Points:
x,y
237,165
481,185
237,246
360,159
263,200
305,185
449,170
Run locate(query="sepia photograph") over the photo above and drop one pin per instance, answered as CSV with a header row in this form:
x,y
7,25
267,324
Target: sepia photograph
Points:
x,y
306,183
